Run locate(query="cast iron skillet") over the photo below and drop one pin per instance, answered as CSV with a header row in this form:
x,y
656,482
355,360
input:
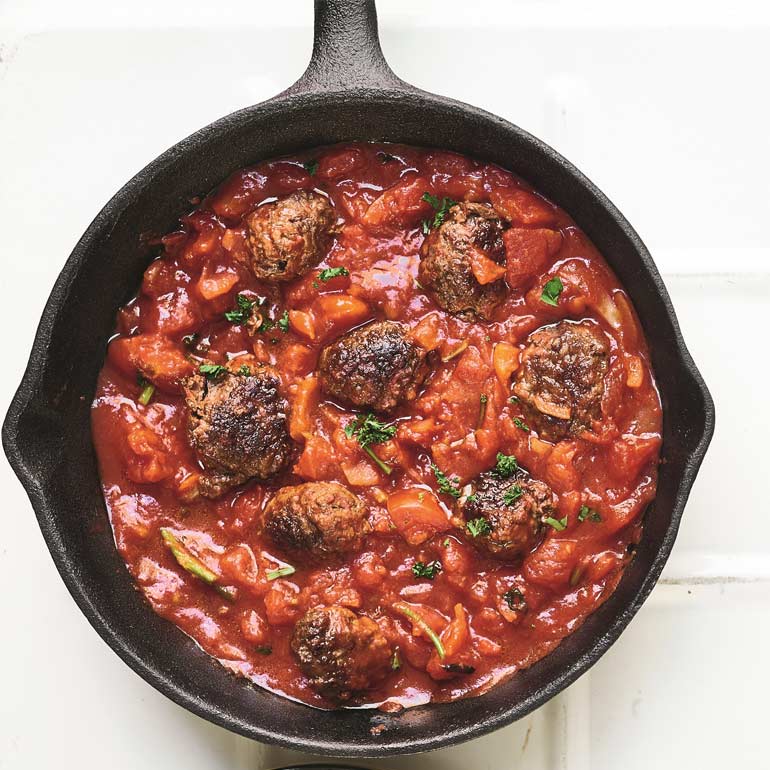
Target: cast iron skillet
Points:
x,y
348,92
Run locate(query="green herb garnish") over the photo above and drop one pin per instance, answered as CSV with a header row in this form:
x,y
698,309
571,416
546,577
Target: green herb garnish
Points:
x,y
395,661
193,564
148,389
264,649
274,574
519,423
244,307
557,524
445,484
506,466
332,272
589,513
283,322
512,494
212,371
551,291
483,399
368,430
515,600
429,570
422,625
478,527
311,166
442,207
244,371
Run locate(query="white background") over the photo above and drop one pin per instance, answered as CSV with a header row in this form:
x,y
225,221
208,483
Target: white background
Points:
x,y
663,104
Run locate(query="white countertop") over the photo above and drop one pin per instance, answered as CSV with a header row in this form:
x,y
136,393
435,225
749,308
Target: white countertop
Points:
x,y
663,104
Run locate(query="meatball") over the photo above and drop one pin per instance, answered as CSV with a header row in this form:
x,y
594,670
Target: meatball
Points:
x,y
446,260
341,653
376,366
320,519
237,425
513,509
560,382
290,236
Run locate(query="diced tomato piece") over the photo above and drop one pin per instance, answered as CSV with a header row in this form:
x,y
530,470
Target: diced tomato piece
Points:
x,y
630,453
484,269
338,163
147,459
529,253
401,204
216,280
458,651
154,356
282,604
317,461
174,313
552,563
417,514
521,207
239,194
304,399
297,359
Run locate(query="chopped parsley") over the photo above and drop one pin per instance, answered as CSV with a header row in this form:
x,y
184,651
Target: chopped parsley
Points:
x,y
515,600
478,527
445,484
429,570
274,574
332,272
589,513
551,291
212,371
557,524
244,370
242,311
311,166
442,207
512,494
368,430
519,423
395,661
506,466
148,390
513,400
283,322
483,399
472,498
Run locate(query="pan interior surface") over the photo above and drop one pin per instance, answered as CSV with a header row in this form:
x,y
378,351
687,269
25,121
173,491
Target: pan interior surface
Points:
x,y
53,406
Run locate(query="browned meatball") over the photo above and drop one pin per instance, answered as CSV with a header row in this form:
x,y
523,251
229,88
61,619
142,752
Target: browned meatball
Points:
x,y
513,510
237,426
290,236
376,366
341,653
446,260
318,519
560,382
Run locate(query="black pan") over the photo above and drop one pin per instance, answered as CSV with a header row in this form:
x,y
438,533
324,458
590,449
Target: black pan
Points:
x,y
348,92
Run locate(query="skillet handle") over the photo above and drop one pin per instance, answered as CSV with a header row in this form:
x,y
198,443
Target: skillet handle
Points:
x,y
346,50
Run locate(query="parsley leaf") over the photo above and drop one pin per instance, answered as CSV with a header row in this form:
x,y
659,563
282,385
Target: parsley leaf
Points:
x,y
446,485
429,570
478,527
506,466
368,430
274,574
311,166
147,392
442,207
242,311
557,524
515,600
519,423
244,371
589,513
283,322
332,272
512,494
212,371
551,291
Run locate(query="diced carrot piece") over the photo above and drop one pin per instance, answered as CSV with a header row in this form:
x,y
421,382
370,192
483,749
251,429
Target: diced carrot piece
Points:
x,y
417,514
539,447
302,323
428,332
484,269
361,474
216,281
304,399
340,310
154,356
400,204
505,359
528,252
552,563
297,359
521,207
318,461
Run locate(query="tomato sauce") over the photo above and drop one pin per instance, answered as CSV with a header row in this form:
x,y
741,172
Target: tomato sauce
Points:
x,y
176,322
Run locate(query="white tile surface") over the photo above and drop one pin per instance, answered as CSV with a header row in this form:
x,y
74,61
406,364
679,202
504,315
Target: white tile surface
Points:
x,y
663,104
